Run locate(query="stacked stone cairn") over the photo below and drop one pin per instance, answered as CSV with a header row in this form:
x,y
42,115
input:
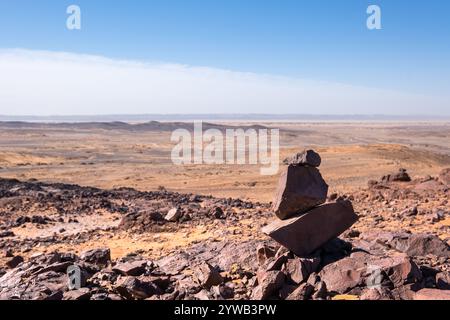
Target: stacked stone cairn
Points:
x,y
306,222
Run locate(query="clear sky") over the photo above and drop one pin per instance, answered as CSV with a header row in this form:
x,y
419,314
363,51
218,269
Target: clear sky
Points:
x,y
250,47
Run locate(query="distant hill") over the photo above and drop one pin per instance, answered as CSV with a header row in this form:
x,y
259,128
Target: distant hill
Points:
x,y
146,126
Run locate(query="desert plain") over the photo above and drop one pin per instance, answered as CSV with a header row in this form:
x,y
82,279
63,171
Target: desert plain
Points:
x,y
119,159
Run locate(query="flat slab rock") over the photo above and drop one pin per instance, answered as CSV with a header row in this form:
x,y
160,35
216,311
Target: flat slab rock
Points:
x,y
299,189
306,233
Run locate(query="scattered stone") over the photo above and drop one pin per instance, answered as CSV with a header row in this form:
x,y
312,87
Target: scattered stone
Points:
x,y
443,280
134,288
303,292
207,275
218,213
14,262
299,189
173,215
400,176
8,253
264,253
304,158
416,245
343,275
320,291
432,294
80,294
306,233
6,234
133,268
269,283
100,257
298,270
438,216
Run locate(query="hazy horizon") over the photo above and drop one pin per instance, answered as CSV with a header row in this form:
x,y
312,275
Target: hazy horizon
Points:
x,y
218,117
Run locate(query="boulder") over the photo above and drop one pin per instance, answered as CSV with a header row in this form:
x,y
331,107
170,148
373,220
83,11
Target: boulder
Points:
x,y
306,233
432,294
419,245
299,189
363,269
100,257
343,275
304,158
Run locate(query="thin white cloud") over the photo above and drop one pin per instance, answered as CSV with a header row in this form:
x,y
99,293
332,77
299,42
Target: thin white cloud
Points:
x,y
55,83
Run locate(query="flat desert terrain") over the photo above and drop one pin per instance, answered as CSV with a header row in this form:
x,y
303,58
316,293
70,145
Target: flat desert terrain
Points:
x,y
117,155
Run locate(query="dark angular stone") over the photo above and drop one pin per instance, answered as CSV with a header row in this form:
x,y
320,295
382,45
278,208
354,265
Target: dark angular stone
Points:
x,y
306,233
299,189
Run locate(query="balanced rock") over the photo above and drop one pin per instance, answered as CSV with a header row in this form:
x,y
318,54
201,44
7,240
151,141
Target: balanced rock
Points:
x,y
299,189
303,234
304,158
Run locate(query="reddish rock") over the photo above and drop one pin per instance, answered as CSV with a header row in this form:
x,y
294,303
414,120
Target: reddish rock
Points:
x,y
133,268
306,233
173,215
417,245
299,269
269,283
14,262
432,294
207,275
303,292
80,294
299,189
101,257
134,288
304,158
400,176
343,275
264,253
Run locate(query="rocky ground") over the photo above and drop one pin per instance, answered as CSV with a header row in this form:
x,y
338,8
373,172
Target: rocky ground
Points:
x,y
399,248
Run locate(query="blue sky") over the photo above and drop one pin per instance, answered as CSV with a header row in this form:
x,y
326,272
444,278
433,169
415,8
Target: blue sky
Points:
x,y
321,40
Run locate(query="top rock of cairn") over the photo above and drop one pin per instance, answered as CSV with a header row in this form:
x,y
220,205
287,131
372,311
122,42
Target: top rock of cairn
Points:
x,y
304,158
